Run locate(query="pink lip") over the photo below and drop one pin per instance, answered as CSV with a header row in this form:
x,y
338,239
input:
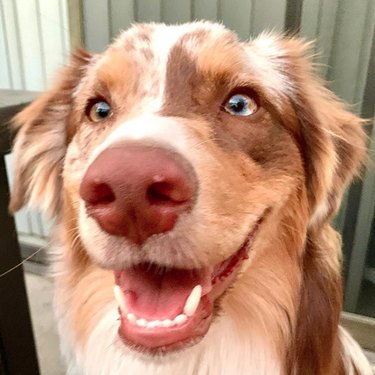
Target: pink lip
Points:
x,y
167,339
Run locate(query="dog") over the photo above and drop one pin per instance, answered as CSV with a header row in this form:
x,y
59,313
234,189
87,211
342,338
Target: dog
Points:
x,y
193,179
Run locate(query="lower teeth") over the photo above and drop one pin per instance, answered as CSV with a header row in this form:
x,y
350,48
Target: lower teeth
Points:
x,y
166,323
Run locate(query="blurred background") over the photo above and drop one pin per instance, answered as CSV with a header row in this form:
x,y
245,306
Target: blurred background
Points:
x,y
36,37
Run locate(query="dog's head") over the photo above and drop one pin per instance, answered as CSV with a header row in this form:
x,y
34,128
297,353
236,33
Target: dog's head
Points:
x,y
184,160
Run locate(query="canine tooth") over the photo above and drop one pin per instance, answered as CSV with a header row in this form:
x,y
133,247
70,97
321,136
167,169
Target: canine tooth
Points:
x,y
131,317
153,324
120,298
180,319
141,322
193,300
166,323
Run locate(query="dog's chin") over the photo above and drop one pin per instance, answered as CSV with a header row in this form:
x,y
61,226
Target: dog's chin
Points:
x,y
168,309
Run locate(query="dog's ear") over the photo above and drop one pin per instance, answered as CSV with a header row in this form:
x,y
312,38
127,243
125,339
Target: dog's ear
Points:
x,y
41,141
333,139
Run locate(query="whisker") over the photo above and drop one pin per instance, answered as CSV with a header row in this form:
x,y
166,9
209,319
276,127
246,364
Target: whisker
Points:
x,y
21,263
290,227
111,344
207,140
75,240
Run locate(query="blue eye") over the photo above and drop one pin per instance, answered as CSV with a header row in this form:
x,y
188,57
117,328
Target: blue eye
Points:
x,y
241,105
99,111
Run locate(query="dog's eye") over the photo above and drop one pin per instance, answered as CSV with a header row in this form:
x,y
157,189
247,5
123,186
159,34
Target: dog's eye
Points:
x,y
99,111
241,105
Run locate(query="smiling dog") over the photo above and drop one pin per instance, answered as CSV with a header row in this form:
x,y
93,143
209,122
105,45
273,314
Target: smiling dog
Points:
x,y
193,178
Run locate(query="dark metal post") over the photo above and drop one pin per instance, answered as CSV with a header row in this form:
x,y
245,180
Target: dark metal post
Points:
x,y
17,348
293,16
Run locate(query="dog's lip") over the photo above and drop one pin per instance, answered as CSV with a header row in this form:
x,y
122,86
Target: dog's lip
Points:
x,y
162,339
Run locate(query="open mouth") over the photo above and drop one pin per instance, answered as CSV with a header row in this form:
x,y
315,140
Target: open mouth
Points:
x,y
167,309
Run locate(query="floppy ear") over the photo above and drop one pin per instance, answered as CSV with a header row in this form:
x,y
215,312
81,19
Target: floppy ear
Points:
x,y
333,139
333,146
41,142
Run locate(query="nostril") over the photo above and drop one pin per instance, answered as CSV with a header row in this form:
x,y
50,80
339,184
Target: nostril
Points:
x,y
101,193
169,191
160,193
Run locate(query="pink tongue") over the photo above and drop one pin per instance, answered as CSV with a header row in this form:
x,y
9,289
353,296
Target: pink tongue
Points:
x,y
152,293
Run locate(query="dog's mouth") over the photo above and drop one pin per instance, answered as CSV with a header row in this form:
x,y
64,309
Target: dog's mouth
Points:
x,y
167,309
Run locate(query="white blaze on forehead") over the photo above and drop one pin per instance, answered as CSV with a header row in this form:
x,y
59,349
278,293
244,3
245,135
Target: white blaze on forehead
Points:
x,y
161,40
157,130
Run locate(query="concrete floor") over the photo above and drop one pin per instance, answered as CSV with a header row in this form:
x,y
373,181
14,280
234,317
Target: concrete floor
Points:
x,y
39,289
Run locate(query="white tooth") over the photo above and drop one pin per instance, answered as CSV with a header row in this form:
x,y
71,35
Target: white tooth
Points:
x,y
153,324
141,322
193,300
167,323
120,299
180,319
131,317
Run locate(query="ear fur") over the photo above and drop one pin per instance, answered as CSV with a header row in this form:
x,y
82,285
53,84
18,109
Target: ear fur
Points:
x,y
334,142
41,141
334,139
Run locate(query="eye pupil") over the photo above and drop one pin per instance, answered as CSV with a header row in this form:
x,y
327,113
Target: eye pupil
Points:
x,y
99,111
241,105
102,109
237,104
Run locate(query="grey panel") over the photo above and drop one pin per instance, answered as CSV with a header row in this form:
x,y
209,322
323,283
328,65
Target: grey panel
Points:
x,y
176,11
325,33
346,57
205,9
245,17
236,15
268,15
362,236
96,24
148,10
121,15
310,18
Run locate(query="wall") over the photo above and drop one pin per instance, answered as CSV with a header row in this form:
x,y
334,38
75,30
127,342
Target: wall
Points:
x,y
34,43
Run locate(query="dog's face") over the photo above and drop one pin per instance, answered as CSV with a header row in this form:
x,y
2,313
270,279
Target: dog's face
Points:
x,y
193,155
178,158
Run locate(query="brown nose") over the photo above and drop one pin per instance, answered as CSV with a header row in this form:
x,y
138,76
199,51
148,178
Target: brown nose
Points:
x,y
136,191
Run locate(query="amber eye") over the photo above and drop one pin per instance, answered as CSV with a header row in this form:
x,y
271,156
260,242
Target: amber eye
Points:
x,y
99,111
241,105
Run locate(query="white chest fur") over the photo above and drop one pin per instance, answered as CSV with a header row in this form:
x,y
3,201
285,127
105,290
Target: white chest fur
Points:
x,y
221,352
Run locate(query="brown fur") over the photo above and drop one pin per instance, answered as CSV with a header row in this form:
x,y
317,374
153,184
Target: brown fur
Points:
x,y
42,141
